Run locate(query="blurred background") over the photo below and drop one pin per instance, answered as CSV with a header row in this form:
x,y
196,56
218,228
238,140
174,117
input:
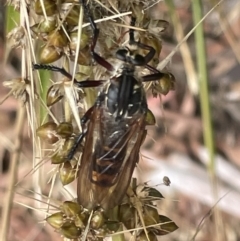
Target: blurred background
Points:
x,y
200,157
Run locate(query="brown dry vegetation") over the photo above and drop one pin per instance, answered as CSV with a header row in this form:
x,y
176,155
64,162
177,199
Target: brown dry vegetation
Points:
x,y
173,148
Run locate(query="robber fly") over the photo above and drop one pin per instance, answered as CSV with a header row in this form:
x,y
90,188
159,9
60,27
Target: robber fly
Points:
x,y
114,127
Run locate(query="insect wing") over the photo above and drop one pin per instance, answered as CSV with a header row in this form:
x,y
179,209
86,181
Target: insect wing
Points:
x,y
136,138
106,170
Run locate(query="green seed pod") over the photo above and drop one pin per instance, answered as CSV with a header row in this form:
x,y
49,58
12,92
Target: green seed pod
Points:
x,y
68,145
126,212
74,40
69,230
84,216
47,132
154,193
97,220
50,54
65,129
60,156
157,26
79,222
84,57
49,6
73,16
150,216
71,209
35,28
150,118
81,219
127,215
48,25
167,226
143,237
149,193
66,173
56,220
164,85
57,39
45,26
54,94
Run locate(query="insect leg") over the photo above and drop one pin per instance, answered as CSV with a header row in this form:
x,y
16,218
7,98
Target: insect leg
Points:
x,y
80,137
132,40
157,75
100,60
152,77
81,84
53,68
75,146
84,120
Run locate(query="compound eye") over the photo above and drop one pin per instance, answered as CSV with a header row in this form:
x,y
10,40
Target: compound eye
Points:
x,y
138,60
121,54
